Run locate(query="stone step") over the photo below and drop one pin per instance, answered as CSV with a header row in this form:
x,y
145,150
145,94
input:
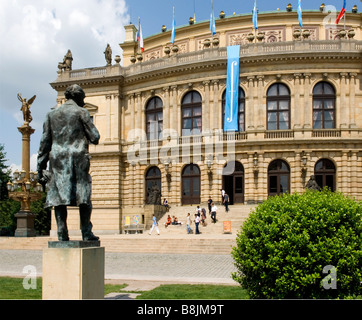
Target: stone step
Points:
x,y
141,243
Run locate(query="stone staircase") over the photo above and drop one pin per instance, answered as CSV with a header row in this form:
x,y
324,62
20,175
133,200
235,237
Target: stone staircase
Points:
x,y
237,214
173,239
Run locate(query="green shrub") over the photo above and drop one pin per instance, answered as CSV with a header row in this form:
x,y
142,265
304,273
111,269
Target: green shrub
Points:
x,y
286,242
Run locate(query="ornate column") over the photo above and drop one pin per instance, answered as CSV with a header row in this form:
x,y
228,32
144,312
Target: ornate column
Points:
x,y
25,188
206,107
109,117
249,105
216,112
307,106
262,112
295,110
343,115
166,109
352,101
175,123
138,107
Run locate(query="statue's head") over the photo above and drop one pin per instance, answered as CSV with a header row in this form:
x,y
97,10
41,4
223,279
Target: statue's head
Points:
x,y
76,93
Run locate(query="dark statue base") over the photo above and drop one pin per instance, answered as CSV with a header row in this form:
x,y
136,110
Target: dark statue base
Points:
x,y
25,224
74,244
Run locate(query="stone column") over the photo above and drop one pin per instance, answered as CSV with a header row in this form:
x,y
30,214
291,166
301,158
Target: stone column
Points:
x,y
108,117
206,107
138,107
295,109
216,112
166,109
262,112
308,109
251,113
342,116
131,108
174,111
352,101
307,105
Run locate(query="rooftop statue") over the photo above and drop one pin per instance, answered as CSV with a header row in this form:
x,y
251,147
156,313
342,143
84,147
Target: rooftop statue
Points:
x,y
67,62
67,132
108,55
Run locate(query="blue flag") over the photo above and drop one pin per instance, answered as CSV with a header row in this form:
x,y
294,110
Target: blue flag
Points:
x,y
231,121
299,10
212,20
173,27
255,16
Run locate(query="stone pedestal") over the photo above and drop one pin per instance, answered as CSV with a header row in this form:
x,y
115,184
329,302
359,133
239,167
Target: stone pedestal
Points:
x,y
73,270
25,224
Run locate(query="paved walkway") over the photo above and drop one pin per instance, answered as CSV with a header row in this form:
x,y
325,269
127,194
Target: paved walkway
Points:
x,y
141,271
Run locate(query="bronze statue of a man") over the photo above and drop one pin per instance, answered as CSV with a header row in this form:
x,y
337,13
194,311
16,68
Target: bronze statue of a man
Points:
x,y
67,132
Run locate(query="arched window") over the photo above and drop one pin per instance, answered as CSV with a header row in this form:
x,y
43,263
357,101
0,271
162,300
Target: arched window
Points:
x,y
191,185
241,114
278,107
325,174
154,118
153,182
278,177
324,106
191,114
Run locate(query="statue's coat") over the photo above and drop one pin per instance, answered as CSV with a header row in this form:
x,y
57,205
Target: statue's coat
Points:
x,y
67,132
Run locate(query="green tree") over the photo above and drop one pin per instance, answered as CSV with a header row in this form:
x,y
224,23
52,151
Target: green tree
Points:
x,y
8,207
4,174
285,246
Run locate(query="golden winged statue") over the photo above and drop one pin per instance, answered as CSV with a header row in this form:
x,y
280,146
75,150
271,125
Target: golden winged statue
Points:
x,y
26,108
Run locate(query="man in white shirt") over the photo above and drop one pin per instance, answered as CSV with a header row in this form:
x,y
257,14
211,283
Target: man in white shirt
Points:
x,y
213,212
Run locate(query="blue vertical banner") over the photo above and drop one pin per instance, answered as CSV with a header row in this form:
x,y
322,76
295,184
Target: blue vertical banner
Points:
x,y
212,19
173,27
299,10
255,16
231,121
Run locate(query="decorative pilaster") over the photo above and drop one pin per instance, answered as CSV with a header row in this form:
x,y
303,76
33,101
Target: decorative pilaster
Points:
x,y
343,115
295,110
215,114
251,114
261,111
109,117
206,107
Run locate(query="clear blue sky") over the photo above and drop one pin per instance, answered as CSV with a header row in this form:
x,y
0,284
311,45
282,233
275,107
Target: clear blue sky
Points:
x,y
36,34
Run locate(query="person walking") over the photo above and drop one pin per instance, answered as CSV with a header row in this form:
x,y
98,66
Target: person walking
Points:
x,y
197,222
213,212
226,202
209,202
154,225
188,223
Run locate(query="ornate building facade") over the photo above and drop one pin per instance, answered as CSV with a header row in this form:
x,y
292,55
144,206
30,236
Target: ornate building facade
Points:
x,y
160,114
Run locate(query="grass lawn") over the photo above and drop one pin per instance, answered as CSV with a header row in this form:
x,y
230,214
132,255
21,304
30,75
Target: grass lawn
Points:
x,y
12,288
195,291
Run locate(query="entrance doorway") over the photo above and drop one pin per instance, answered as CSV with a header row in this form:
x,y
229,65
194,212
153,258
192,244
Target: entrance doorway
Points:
x,y
191,188
233,181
